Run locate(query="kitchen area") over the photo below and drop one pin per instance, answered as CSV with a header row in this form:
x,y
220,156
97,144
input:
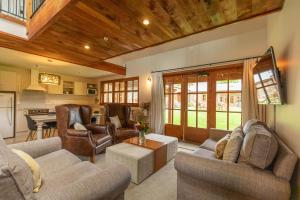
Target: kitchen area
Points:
x,y
34,93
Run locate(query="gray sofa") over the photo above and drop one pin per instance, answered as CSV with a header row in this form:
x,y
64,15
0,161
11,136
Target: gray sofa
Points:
x,y
202,176
64,176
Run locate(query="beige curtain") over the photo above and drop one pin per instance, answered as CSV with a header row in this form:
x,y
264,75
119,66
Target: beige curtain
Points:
x,y
157,103
250,108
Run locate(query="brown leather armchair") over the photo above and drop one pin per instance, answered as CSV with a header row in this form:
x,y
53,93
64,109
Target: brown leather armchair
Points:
x,y
128,128
88,142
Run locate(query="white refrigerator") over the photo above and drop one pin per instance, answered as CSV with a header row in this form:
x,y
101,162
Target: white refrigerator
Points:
x,y
7,114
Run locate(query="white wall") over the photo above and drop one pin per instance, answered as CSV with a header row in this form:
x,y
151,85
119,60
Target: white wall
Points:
x,y
242,45
284,35
12,28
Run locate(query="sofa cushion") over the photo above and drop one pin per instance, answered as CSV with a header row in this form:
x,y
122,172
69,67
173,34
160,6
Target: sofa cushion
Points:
x,y
34,167
204,153
57,161
259,147
38,148
15,176
233,147
209,144
285,160
220,146
63,178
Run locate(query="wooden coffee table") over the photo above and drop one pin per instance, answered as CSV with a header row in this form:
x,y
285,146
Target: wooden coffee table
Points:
x,y
159,148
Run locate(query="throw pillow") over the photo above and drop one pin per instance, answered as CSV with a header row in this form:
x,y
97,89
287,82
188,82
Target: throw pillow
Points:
x,y
79,127
252,122
220,146
34,166
116,121
15,176
259,148
233,147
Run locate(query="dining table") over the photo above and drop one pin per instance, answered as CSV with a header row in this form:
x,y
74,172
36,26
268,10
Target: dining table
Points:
x,y
40,120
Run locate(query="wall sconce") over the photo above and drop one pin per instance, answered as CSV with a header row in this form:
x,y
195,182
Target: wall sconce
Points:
x,y
149,79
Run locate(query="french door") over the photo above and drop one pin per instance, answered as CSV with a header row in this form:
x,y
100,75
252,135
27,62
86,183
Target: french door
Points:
x,y
173,113
195,112
199,100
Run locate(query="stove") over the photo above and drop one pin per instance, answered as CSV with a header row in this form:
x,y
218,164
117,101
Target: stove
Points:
x,y
38,111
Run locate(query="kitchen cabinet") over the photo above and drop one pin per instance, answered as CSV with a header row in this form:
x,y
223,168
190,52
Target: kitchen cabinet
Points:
x,y
8,81
80,88
55,89
69,88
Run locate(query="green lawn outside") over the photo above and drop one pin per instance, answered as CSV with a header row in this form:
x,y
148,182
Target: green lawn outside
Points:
x,y
221,119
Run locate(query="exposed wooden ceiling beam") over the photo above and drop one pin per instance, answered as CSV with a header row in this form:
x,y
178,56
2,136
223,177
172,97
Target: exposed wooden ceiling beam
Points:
x,y
106,66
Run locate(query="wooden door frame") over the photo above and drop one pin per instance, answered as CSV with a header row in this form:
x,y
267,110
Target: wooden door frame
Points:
x,y
211,98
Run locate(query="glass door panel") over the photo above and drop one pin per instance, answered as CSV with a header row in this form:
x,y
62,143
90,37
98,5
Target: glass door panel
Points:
x,y
202,119
195,128
173,107
228,99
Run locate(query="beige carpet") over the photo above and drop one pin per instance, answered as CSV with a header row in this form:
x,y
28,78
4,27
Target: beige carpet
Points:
x,y
161,185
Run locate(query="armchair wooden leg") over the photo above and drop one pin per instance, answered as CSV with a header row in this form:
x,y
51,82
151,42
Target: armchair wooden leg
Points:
x,y
93,158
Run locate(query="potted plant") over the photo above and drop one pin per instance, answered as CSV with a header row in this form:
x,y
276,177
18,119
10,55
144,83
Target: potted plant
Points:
x,y
143,129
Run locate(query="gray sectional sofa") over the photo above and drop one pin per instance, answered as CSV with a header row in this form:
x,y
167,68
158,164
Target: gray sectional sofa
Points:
x,y
64,175
202,176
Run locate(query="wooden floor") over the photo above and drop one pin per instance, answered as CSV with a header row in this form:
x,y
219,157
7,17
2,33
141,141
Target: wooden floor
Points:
x,y
20,137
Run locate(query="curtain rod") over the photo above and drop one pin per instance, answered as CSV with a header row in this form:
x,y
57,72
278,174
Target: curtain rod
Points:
x,y
214,63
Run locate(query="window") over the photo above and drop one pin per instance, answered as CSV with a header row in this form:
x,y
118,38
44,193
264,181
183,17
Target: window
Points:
x,y
124,91
107,92
228,101
119,92
132,91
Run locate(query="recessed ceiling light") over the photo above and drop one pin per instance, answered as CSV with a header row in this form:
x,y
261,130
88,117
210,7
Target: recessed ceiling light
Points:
x,y
105,39
86,46
146,22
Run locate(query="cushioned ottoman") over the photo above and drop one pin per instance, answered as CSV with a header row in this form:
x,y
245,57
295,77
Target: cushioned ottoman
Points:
x,y
171,142
138,160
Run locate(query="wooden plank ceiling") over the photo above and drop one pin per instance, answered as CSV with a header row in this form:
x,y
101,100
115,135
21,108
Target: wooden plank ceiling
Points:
x,y
88,22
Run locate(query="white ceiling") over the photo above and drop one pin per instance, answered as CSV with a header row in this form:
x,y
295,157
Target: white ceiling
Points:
x,y
14,58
